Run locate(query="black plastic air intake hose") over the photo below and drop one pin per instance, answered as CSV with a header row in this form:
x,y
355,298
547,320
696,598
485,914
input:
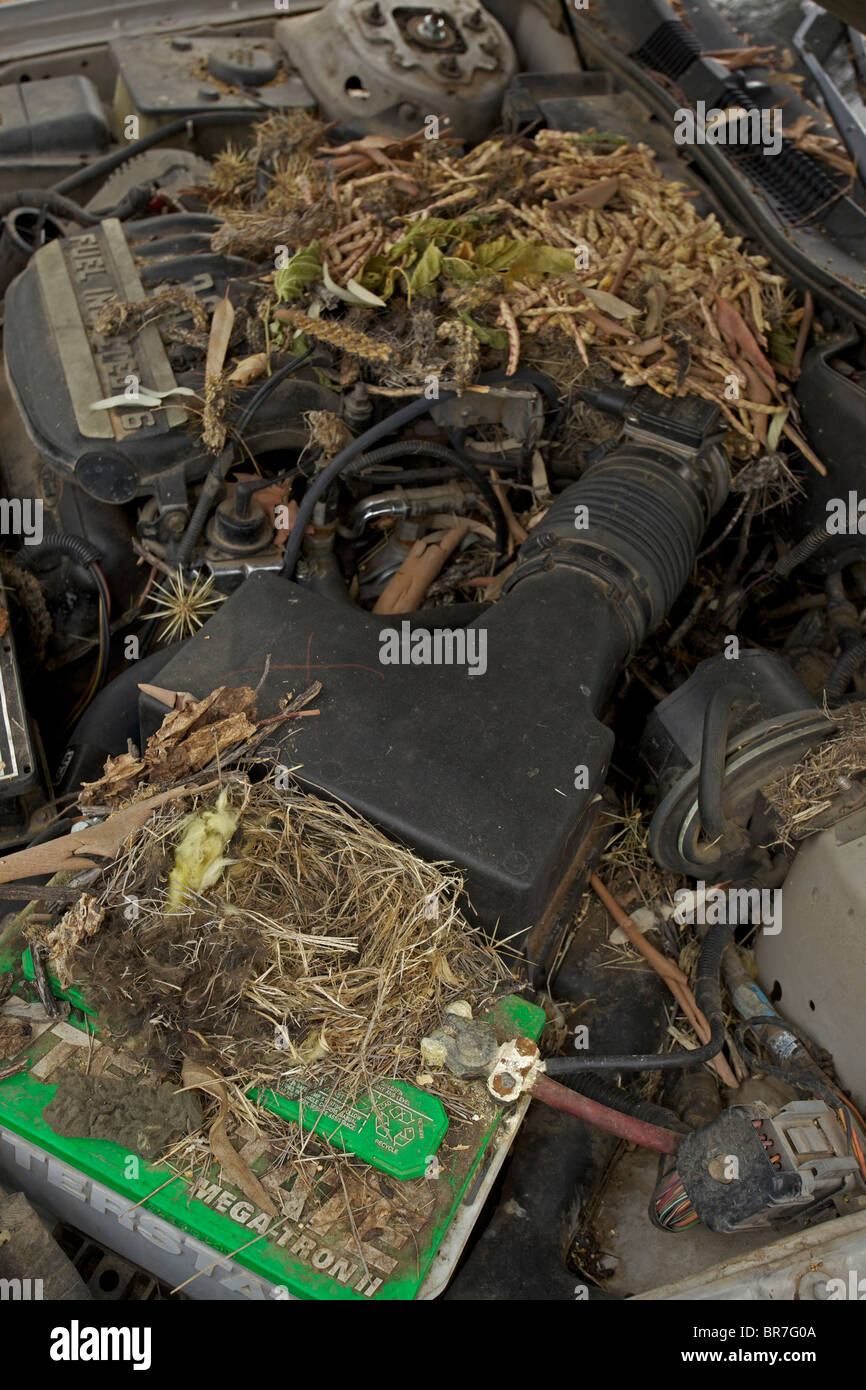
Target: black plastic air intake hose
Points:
x,y
633,522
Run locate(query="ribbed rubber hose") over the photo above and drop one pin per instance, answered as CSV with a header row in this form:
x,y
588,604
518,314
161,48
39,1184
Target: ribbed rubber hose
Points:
x,y
76,547
812,542
845,669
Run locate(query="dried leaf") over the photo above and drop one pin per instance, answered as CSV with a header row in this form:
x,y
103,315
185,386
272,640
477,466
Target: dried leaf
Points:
x,y
186,741
610,303
81,921
248,369
218,341
233,1166
597,195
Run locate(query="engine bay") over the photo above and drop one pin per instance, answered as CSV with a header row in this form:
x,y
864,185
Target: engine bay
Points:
x,y
437,432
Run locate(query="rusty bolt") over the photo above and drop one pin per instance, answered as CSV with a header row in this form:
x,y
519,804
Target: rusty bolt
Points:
x,y
503,1084
475,21
449,66
374,15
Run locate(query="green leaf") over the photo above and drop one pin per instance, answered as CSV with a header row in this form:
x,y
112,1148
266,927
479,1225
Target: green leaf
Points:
x,y
438,229
425,271
353,292
523,257
299,271
499,254
543,260
488,337
464,272
782,343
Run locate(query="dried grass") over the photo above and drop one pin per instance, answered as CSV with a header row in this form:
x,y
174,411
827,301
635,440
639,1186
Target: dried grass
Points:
x,y
666,297
824,779
324,952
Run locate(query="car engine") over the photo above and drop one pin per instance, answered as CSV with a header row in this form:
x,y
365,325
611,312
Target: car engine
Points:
x,y
440,419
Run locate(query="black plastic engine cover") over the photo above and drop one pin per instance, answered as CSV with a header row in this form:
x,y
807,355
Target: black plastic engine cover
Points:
x,y
495,763
58,365
475,769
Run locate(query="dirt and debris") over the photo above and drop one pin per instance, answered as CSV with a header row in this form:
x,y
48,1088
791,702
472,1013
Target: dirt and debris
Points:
x,y
145,1121
317,948
531,251
187,741
827,780
82,920
14,1034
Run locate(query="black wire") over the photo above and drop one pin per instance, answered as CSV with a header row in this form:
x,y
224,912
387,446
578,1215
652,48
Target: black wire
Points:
x,y
334,468
389,425
46,200
714,743
109,162
545,384
708,999
803,1078
105,626
253,405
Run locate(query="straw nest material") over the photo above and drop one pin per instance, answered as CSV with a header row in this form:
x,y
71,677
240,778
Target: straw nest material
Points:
x,y
569,251
825,782
313,947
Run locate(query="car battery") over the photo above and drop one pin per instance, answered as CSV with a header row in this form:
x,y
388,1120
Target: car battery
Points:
x,y
378,1206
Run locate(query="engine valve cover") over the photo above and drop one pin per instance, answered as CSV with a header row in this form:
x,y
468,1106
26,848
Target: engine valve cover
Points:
x,y
59,365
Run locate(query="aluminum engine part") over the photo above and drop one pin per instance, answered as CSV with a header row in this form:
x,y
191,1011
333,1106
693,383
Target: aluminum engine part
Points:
x,y
386,67
162,77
